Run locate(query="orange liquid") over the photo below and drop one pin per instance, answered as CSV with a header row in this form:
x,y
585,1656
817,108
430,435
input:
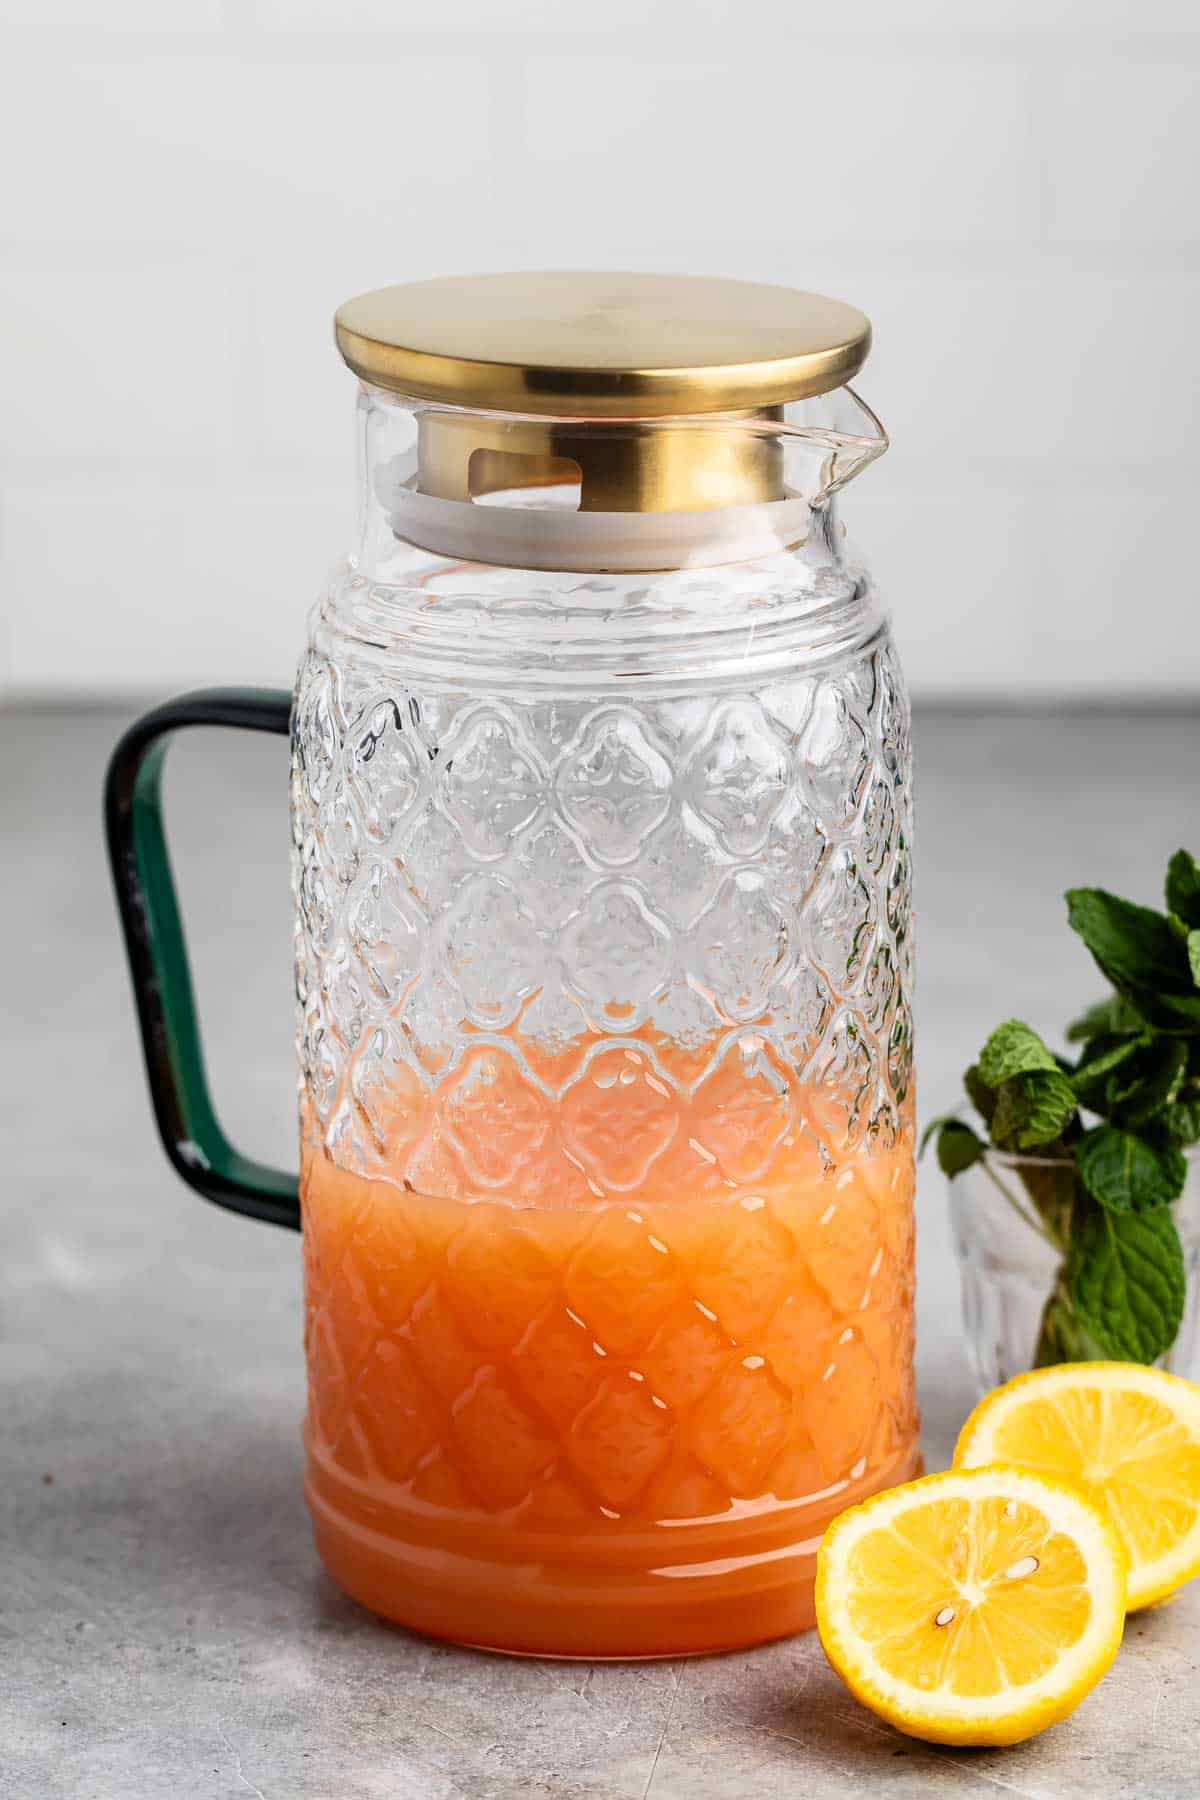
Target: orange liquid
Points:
x,y
615,1425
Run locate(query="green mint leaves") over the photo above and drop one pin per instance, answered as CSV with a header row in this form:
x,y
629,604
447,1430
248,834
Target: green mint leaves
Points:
x,y
1193,950
958,1147
1148,1081
1032,1098
1033,1110
1114,1016
1148,956
1135,947
1125,1277
1181,1122
1183,888
1013,1049
1104,1186
1127,1174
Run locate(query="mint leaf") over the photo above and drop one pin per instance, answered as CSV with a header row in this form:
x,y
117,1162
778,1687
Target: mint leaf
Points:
x,y
981,1096
1181,1121
1092,1022
933,1125
1102,1056
1125,1173
1183,887
1114,1015
1125,1276
1013,1049
1033,1109
958,1147
1173,1012
1147,1083
1133,946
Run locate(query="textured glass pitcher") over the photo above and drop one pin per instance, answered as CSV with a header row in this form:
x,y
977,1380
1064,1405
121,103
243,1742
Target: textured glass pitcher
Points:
x,y
602,834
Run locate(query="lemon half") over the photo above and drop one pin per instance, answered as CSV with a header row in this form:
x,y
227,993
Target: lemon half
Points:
x,y
974,1607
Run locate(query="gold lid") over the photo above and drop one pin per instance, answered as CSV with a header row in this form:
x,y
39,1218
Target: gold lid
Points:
x,y
568,343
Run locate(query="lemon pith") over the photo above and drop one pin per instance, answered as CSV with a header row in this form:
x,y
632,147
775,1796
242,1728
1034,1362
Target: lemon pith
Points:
x,y
1128,1435
974,1607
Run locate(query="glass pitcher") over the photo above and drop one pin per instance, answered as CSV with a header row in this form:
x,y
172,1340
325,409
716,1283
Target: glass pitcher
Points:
x,y
602,834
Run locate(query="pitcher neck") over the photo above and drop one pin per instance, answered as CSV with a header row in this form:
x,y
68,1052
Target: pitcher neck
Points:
x,y
599,496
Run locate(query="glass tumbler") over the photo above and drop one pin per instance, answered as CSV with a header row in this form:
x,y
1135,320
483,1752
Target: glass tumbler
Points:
x,y
1017,1312
602,837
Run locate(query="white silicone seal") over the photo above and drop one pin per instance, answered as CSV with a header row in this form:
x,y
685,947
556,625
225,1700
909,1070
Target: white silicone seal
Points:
x,y
509,530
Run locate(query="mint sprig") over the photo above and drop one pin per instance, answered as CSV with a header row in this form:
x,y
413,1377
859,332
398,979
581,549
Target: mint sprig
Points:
x,y
1107,1131
1133,945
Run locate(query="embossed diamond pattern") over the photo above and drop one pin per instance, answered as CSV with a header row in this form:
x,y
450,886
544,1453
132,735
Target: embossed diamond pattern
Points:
x,y
506,910
742,940
740,776
483,914
490,786
614,786
386,930
384,770
640,1364
571,875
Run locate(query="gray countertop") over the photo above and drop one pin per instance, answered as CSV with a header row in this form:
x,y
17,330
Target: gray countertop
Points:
x,y
165,1627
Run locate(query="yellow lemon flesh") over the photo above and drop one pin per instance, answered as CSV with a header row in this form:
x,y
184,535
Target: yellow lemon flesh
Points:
x,y
975,1607
1128,1435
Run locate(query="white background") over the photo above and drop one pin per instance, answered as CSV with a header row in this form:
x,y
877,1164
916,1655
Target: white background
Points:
x,y
1012,191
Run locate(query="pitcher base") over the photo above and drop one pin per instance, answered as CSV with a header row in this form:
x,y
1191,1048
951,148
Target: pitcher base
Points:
x,y
662,1592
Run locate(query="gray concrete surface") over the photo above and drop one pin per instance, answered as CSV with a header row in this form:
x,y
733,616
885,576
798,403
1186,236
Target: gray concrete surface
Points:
x,y
164,1625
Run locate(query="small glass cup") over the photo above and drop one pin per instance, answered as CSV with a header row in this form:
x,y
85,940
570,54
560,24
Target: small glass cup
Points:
x,y
1010,1259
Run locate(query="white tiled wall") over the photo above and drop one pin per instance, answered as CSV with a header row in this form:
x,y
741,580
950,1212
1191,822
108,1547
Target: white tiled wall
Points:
x,y
1012,191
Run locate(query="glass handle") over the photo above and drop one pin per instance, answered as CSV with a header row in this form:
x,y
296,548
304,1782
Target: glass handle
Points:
x,y
197,1147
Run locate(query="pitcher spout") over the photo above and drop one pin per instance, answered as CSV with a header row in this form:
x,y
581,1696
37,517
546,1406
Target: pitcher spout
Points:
x,y
830,439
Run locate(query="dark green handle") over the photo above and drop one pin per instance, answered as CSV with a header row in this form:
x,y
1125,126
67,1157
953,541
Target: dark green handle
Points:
x,y
197,1147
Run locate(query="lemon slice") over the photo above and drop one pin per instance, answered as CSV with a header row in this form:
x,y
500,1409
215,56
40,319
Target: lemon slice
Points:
x,y
1128,1435
975,1607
